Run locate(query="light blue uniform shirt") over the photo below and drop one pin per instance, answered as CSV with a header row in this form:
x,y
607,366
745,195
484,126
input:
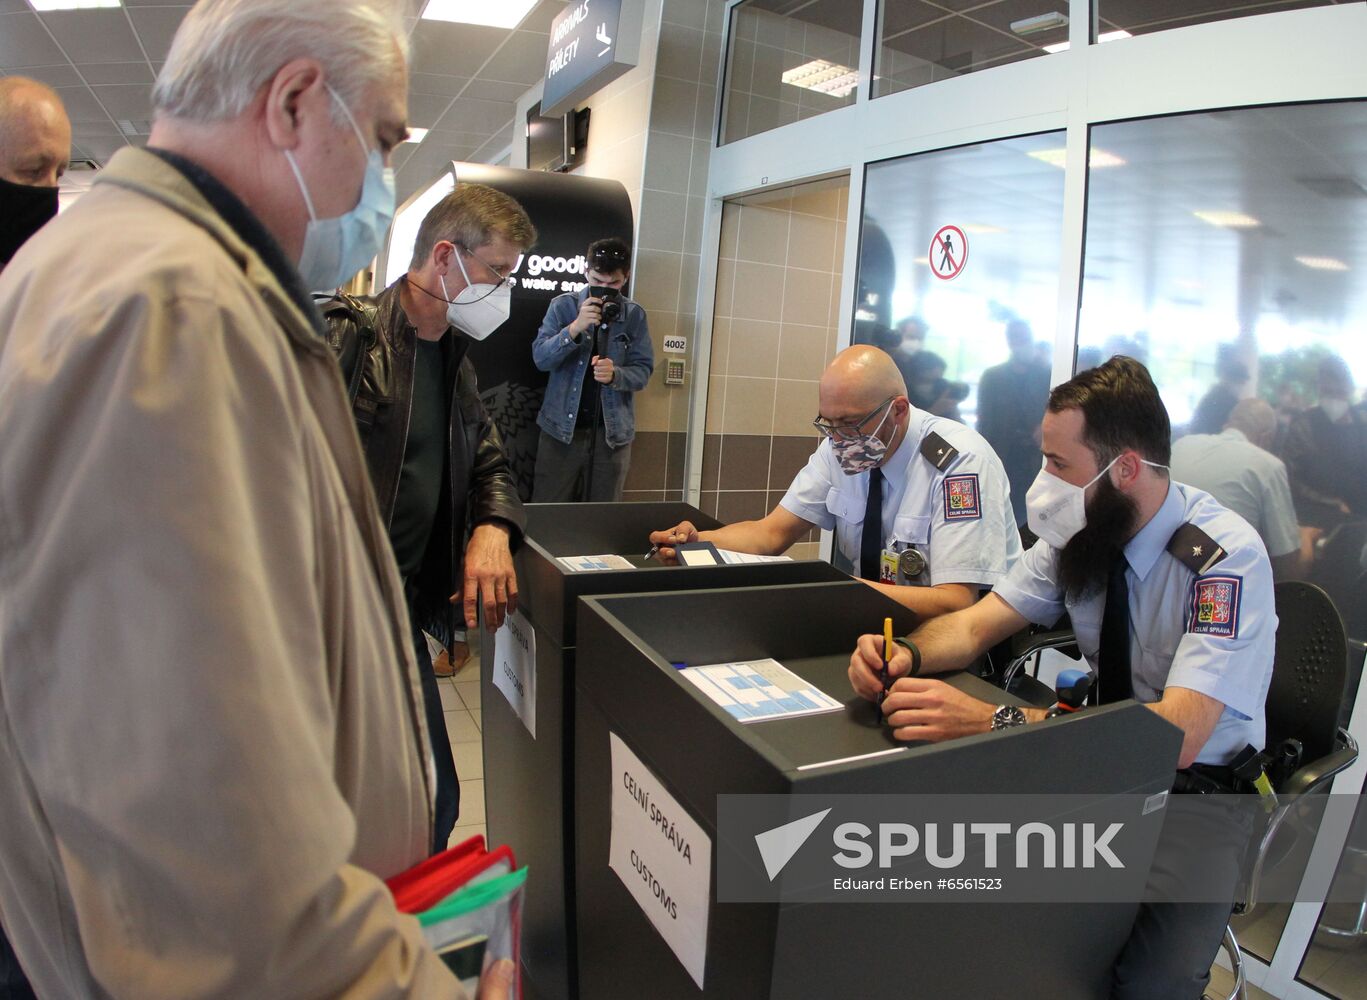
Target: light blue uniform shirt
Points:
x,y
1214,634
959,518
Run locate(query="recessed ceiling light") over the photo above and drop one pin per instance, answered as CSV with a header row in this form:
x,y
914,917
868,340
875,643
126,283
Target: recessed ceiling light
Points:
x,y
1097,160
978,229
73,4
823,77
1105,36
497,14
417,134
1040,22
920,260
1229,220
1323,263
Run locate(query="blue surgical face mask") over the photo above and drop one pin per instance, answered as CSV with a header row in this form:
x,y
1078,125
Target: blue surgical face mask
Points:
x,y
335,249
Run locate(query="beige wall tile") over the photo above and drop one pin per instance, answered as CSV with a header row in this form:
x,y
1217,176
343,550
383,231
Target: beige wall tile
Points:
x,y
754,348
669,161
797,406
716,403
655,282
811,242
679,405
661,224
730,230
724,299
802,351
758,291
806,550
721,343
652,405
673,106
763,235
749,406
807,297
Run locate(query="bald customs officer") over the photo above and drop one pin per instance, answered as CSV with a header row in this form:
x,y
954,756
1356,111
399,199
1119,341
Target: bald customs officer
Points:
x,y
920,506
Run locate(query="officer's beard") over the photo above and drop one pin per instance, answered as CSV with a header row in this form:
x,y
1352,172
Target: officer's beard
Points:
x,y
1084,564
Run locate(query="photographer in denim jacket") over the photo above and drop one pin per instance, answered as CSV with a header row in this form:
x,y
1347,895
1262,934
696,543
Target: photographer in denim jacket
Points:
x,y
596,346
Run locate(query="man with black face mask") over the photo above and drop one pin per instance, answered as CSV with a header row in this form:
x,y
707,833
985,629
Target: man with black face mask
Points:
x,y
435,458
35,146
919,505
1170,595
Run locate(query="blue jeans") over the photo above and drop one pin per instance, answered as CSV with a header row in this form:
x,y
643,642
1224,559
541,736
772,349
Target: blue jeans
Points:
x,y
448,784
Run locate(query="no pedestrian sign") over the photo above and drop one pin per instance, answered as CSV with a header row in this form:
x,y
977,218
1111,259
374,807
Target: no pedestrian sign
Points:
x,y
948,253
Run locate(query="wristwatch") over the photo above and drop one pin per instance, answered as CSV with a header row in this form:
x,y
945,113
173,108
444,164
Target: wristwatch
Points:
x,y
1007,717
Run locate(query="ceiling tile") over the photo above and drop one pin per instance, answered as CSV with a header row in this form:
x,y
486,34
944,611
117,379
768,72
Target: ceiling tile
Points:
x,y
476,116
12,6
432,83
63,75
94,35
545,12
425,109
156,27
103,148
522,60
81,105
92,130
453,49
126,102
481,89
23,42
116,73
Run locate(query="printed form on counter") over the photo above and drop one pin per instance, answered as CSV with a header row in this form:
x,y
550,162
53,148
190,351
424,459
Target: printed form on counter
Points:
x,y
758,690
588,564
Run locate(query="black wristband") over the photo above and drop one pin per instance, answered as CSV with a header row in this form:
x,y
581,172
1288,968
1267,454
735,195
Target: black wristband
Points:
x,y
910,647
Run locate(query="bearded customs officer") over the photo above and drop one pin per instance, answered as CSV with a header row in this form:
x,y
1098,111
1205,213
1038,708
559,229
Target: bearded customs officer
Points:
x,y
920,506
1171,598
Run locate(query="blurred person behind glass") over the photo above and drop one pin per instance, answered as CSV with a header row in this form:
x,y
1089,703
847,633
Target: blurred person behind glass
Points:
x,y
1238,469
1212,412
1325,451
1011,401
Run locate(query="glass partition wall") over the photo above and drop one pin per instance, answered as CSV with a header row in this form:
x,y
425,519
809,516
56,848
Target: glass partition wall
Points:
x,y
1180,182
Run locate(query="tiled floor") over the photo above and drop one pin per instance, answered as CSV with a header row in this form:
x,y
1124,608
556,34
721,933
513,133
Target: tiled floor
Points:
x,y
460,699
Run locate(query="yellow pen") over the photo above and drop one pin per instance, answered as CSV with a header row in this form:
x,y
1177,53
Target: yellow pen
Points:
x,y
887,652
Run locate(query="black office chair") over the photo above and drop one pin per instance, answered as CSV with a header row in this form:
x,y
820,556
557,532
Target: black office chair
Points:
x,y
1338,569
1022,653
1308,675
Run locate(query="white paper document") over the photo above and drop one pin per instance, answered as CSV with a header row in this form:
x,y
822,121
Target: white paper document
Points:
x,y
588,564
663,857
740,558
757,690
515,667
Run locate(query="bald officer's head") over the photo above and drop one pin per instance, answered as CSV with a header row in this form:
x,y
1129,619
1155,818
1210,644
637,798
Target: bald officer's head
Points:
x,y
1255,420
35,146
862,393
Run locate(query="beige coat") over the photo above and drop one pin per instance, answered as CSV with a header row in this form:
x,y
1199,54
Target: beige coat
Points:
x,y
212,747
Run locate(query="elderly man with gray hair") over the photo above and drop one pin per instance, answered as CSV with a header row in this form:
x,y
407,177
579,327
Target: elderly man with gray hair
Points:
x,y
212,745
1237,468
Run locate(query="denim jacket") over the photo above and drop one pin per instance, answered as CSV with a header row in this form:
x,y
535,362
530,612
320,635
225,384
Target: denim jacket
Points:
x,y
633,357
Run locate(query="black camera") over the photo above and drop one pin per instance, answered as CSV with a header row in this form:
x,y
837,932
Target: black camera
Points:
x,y
612,302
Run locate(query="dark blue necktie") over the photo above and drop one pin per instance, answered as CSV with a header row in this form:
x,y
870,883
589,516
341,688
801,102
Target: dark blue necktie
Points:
x,y
871,541
1114,669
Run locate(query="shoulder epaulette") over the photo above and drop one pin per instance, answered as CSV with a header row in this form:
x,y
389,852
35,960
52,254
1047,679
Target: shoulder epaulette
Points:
x,y
1194,549
938,452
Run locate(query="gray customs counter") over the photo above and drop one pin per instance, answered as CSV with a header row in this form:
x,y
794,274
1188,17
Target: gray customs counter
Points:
x,y
682,751
529,779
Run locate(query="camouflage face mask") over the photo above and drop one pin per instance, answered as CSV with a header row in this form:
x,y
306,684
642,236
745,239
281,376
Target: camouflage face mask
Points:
x,y
862,452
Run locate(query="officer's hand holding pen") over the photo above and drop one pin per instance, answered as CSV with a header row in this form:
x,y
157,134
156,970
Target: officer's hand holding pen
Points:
x,y
866,666
662,541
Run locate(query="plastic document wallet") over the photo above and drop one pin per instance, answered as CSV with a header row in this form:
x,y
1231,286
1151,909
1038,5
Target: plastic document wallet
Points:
x,y
469,903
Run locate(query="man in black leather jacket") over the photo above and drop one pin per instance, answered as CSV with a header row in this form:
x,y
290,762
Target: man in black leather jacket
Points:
x,y
436,459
